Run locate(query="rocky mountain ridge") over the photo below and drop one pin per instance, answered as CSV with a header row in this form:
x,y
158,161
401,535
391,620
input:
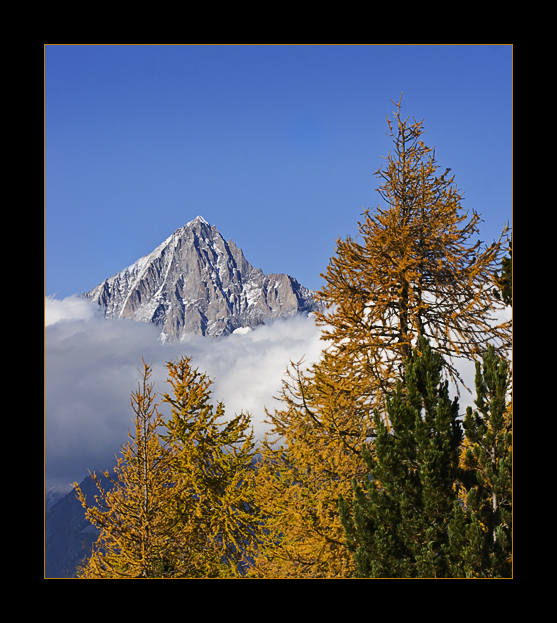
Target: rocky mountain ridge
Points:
x,y
197,283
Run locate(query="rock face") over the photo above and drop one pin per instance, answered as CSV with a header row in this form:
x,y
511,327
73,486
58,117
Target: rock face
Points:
x,y
196,283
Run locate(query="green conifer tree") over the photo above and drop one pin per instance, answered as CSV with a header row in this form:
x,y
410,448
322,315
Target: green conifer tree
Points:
x,y
481,532
398,523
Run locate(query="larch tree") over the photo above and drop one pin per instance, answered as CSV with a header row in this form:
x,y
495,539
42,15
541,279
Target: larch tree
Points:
x,y
505,279
413,272
139,535
214,472
308,459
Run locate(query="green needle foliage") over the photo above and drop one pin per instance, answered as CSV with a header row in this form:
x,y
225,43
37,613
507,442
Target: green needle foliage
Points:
x,y
423,512
398,524
481,534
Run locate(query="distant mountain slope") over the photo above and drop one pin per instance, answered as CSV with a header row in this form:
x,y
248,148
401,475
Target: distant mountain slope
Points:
x,y
68,534
196,282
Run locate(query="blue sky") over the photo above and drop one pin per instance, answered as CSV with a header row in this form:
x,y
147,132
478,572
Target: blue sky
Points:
x,y
275,145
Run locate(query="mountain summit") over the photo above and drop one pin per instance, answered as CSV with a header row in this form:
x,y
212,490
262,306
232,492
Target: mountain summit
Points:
x,y
195,282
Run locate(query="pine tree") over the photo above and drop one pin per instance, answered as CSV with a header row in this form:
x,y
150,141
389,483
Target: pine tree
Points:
x,y
398,526
481,533
138,532
214,471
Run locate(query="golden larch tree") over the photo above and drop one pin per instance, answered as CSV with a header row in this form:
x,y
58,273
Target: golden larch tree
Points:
x,y
413,271
139,535
308,459
214,471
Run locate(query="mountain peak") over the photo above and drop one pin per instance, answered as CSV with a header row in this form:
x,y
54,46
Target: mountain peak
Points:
x,y
195,282
199,219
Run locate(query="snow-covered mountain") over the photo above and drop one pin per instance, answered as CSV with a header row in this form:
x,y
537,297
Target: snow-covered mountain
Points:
x,y
196,282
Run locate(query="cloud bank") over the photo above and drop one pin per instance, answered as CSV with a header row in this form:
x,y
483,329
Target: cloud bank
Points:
x,y
91,368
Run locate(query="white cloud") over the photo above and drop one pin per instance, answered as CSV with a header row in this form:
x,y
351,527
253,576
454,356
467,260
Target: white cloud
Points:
x,y
71,308
91,368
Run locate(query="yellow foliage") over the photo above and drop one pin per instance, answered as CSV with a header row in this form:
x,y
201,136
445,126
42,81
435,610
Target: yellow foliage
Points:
x,y
181,505
413,271
309,458
138,532
213,468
